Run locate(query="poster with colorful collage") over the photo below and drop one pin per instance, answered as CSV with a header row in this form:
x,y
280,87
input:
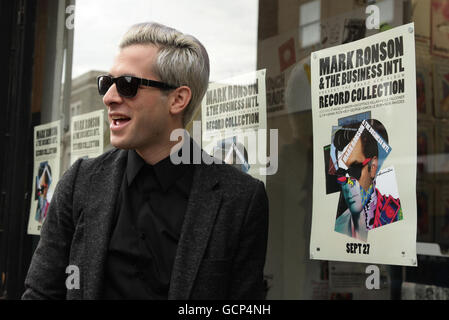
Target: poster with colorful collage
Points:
x,y
47,150
364,138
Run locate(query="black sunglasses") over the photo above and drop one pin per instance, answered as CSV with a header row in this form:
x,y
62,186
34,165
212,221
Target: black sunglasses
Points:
x,y
127,85
354,171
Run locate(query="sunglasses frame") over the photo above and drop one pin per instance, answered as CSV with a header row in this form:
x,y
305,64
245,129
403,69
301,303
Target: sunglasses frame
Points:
x,y
342,172
140,82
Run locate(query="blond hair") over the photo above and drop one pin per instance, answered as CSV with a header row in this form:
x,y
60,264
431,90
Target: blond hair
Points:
x,y
182,60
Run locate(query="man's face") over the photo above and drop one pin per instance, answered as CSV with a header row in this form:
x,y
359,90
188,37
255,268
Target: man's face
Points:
x,y
357,157
43,186
141,121
351,190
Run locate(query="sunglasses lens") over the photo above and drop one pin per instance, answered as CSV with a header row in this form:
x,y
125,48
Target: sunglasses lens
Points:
x,y
104,83
355,172
127,86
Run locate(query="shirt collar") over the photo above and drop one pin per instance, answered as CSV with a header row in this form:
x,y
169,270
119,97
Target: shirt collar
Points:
x,y
166,173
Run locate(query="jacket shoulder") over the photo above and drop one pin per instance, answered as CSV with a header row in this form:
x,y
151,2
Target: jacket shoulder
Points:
x,y
234,179
93,164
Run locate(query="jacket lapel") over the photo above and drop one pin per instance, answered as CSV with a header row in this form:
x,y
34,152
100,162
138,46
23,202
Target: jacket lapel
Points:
x,y
99,212
203,205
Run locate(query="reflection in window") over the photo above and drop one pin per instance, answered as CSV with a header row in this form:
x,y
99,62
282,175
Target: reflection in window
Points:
x,y
309,23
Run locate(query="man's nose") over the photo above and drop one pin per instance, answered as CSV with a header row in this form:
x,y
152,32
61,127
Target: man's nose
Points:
x,y
112,96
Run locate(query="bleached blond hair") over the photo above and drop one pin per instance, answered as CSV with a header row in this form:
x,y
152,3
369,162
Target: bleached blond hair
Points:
x,y
182,60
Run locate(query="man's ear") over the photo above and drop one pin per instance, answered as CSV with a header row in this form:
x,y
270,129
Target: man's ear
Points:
x,y
179,99
373,167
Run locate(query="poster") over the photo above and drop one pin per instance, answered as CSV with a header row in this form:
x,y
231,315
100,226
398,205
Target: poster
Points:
x,y
47,148
364,124
234,123
87,135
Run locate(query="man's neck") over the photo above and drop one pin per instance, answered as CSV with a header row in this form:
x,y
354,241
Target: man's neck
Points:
x,y
160,150
156,153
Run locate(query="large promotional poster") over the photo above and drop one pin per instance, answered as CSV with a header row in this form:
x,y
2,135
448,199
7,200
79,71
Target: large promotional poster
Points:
x,y
87,135
234,122
47,139
364,136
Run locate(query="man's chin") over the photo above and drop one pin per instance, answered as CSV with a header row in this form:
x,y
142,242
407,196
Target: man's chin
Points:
x,y
120,144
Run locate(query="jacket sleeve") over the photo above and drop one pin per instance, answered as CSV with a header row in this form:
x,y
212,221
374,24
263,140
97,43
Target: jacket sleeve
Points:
x,y
248,265
47,273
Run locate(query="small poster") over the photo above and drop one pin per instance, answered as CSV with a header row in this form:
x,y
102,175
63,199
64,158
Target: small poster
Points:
x,y
87,135
364,125
47,148
234,123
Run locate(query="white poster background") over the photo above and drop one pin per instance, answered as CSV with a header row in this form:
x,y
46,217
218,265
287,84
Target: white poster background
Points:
x,y
47,142
233,111
394,243
87,135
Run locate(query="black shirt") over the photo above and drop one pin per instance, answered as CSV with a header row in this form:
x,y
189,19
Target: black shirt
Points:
x,y
150,211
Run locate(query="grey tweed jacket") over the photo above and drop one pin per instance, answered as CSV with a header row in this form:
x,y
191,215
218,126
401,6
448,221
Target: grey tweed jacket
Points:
x,y
220,254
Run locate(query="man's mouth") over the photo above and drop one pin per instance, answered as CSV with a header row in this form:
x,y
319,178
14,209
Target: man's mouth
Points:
x,y
119,121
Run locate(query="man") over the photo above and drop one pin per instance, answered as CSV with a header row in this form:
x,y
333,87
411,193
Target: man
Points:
x,y
367,208
136,225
